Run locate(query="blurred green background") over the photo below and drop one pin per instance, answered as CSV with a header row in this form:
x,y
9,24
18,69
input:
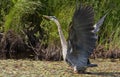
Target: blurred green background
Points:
x,y
15,14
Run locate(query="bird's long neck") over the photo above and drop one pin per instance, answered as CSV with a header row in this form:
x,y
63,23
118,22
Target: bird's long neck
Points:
x,y
62,39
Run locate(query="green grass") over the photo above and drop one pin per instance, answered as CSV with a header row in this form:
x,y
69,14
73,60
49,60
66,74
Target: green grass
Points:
x,y
21,8
15,14
28,68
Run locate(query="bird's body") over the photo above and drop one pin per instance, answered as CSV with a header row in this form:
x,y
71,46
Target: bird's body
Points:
x,y
81,40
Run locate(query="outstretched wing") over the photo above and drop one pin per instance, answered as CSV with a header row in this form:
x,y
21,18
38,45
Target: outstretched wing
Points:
x,y
81,35
99,23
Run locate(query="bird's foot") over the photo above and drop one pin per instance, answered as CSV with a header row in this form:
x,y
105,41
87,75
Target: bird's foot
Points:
x,y
80,70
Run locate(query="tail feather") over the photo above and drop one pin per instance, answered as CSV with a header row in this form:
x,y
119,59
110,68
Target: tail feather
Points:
x,y
92,65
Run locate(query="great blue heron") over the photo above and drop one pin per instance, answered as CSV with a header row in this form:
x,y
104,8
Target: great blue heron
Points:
x,y
82,38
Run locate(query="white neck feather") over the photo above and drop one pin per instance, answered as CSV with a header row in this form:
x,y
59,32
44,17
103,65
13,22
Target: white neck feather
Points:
x,y
62,39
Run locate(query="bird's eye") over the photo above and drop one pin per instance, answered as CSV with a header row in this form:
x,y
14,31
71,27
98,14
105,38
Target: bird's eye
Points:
x,y
54,17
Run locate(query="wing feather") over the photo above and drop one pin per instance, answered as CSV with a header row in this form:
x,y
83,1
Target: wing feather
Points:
x,y
81,37
99,23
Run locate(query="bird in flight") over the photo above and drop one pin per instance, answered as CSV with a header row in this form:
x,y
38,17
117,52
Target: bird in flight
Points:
x,y
82,38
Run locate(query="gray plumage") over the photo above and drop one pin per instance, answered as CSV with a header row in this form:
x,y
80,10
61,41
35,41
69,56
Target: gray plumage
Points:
x,y
81,40
99,23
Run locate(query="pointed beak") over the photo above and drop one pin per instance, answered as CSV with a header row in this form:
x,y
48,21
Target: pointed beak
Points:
x,y
46,17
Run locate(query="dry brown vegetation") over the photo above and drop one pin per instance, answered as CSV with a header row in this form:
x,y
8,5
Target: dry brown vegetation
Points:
x,y
12,46
30,68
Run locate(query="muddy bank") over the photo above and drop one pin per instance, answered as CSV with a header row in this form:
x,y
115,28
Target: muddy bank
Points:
x,y
13,46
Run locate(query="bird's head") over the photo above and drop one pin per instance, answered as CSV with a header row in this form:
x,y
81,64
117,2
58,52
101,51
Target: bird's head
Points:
x,y
52,18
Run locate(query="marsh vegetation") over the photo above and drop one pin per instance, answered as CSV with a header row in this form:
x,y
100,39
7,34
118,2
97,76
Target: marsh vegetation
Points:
x,y
25,34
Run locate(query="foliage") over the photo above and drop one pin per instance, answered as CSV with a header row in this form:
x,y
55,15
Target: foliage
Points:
x,y
109,32
5,6
16,14
21,8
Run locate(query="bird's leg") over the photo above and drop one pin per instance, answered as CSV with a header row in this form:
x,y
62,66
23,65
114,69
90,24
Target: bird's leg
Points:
x,y
80,71
88,62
